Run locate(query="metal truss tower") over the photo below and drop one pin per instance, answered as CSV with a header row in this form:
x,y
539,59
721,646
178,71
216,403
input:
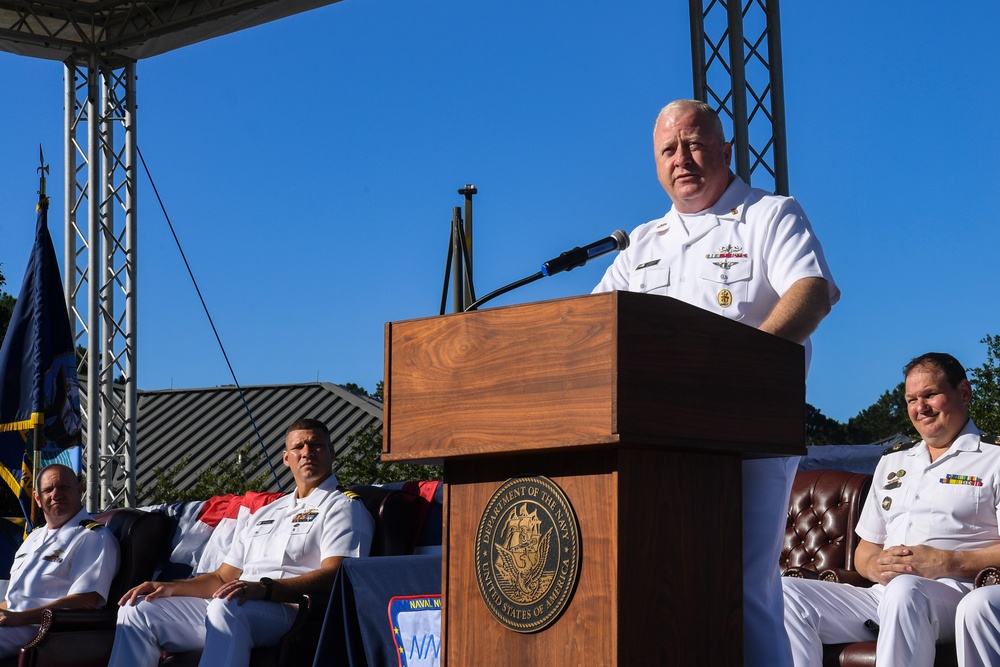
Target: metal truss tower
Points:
x,y
100,42
736,54
100,267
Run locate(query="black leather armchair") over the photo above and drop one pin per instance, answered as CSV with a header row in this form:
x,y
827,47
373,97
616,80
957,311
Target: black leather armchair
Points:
x,y
819,544
83,637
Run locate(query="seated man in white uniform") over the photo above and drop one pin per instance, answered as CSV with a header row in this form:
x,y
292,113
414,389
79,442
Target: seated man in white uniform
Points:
x,y
928,526
286,549
66,564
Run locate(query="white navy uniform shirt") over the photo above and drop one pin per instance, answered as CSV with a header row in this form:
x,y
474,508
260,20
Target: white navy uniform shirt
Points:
x,y
293,536
952,503
736,258
72,559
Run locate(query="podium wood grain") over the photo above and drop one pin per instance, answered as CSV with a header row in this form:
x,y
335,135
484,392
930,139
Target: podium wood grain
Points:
x,y
585,371
640,408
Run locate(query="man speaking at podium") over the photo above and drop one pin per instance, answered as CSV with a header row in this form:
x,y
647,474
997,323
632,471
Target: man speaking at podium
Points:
x,y
750,256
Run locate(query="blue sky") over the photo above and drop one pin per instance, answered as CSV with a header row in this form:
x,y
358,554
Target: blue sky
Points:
x,y
310,167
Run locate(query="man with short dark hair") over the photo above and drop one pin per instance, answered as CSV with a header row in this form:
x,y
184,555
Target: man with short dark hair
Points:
x,y
66,564
291,547
930,523
752,257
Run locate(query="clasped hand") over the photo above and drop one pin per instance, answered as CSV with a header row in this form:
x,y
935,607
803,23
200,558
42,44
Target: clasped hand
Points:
x,y
922,561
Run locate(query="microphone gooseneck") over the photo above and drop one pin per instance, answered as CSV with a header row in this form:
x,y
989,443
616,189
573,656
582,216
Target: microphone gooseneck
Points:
x,y
565,262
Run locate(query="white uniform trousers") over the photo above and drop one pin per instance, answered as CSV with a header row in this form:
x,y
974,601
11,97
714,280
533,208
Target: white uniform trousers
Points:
x,y
767,484
977,628
913,614
12,638
224,629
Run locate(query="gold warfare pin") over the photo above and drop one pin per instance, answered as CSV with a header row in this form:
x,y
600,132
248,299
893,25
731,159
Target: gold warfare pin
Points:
x,y
894,479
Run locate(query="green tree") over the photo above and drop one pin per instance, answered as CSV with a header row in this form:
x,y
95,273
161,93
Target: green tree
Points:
x,y
362,462
985,405
7,302
218,479
885,417
821,430
361,391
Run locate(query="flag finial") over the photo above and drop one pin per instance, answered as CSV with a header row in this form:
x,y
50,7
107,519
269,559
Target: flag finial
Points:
x,y
42,170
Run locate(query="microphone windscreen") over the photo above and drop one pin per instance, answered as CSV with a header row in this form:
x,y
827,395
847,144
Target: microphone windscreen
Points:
x,y
621,239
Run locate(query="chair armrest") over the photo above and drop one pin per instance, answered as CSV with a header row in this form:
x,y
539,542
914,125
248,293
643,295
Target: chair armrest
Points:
x,y
305,604
843,576
800,573
71,638
73,620
298,646
858,654
988,576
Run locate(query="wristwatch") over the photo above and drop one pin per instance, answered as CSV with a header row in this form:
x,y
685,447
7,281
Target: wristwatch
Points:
x,y
268,586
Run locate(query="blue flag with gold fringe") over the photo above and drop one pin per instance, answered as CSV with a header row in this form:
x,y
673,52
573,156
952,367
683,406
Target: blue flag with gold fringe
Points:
x,y
39,394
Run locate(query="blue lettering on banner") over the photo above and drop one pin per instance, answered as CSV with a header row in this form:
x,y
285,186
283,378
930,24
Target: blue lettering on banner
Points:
x,y
427,647
416,630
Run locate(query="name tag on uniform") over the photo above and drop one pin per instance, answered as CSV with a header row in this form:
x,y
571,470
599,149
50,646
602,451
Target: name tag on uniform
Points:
x,y
263,527
302,522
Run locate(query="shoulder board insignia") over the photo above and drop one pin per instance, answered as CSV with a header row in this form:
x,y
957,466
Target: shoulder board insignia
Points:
x,y
901,447
989,439
347,492
90,524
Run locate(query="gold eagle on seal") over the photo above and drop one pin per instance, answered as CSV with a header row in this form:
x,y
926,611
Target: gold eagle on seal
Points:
x,y
522,557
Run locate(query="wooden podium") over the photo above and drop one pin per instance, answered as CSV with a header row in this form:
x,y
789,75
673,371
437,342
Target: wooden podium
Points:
x,y
640,408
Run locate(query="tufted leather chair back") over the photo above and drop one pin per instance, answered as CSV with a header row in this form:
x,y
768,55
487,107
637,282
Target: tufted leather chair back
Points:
x,y
823,511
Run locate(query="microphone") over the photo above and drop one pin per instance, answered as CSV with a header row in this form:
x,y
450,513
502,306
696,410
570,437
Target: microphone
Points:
x,y
568,260
578,256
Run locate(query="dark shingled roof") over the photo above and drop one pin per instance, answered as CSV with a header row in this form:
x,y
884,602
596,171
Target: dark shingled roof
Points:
x,y
209,425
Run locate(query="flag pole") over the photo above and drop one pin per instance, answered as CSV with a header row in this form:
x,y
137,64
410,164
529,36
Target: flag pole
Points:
x,y
36,434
